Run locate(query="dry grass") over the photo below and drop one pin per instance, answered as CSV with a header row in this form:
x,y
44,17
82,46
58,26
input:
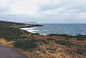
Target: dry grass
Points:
x,y
51,50
2,41
6,43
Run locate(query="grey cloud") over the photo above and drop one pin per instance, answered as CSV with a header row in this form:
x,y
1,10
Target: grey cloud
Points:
x,y
68,4
68,13
4,9
77,7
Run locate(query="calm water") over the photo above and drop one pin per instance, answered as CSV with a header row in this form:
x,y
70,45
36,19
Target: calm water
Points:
x,y
70,29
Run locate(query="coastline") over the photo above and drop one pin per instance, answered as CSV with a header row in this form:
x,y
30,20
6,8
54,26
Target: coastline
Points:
x,y
52,45
26,25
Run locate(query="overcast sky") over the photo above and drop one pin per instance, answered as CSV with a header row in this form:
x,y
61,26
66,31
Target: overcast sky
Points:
x,y
43,11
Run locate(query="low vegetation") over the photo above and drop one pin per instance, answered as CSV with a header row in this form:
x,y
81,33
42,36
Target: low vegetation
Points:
x,y
81,37
42,44
5,23
79,51
26,44
64,42
35,34
45,42
9,33
50,39
64,35
84,45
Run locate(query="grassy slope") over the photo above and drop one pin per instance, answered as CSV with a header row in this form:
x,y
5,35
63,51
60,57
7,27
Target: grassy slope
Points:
x,y
10,33
10,23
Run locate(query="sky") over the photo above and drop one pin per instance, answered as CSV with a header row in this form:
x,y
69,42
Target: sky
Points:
x,y
43,11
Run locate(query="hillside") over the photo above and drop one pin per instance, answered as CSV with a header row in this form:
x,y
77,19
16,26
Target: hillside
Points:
x,y
10,33
39,46
10,23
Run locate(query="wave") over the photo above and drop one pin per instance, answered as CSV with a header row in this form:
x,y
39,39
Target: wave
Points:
x,y
28,28
34,31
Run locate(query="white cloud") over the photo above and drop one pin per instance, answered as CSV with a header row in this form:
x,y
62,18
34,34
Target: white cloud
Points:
x,y
25,7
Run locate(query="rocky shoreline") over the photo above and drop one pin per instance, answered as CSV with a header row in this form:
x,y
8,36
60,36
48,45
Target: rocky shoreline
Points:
x,y
33,25
26,25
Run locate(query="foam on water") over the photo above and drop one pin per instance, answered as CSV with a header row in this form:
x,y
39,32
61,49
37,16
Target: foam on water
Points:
x,y
34,31
30,29
70,29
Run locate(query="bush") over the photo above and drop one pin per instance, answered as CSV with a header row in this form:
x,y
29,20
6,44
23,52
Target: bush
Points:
x,y
9,33
10,38
85,45
64,42
25,44
81,37
79,51
36,33
44,41
64,35
50,39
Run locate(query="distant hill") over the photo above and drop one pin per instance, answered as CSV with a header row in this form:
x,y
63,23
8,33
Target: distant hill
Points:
x,y
30,22
10,23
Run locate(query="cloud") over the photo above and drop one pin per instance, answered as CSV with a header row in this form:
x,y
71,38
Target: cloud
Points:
x,y
47,11
25,7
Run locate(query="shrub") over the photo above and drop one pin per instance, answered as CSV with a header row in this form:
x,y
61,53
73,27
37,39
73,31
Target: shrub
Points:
x,y
85,45
64,35
25,44
81,37
79,51
36,33
64,42
9,33
66,38
10,38
44,41
50,39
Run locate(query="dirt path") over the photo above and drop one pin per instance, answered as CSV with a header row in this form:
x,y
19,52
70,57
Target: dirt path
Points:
x,y
6,52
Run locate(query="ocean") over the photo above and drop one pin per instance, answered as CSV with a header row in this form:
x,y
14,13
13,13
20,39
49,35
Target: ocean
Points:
x,y
70,29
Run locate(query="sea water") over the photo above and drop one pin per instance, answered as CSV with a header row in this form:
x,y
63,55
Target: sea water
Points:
x,y
70,29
